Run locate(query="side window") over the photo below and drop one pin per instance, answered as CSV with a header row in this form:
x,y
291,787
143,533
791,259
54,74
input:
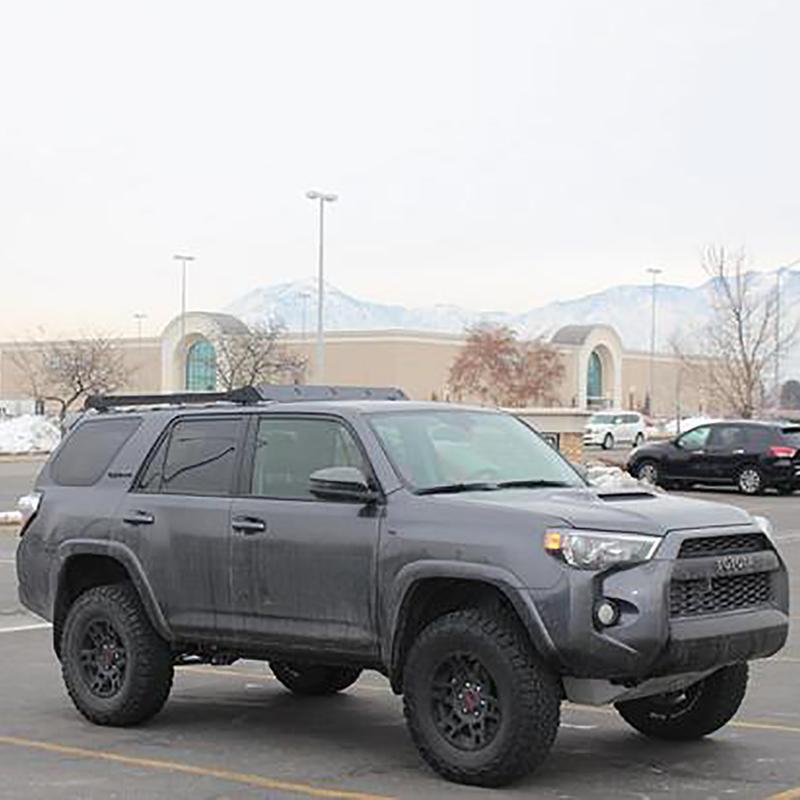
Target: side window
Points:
x,y
89,450
150,480
199,459
727,437
695,439
288,451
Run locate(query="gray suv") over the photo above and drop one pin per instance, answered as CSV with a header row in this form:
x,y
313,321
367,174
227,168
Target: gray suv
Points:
x,y
329,530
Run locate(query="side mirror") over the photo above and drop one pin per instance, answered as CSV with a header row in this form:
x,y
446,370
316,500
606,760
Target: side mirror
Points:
x,y
342,483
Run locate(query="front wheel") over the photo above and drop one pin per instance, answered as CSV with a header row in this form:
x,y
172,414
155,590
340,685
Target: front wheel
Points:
x,y
690,713
313,679
480,708
639,440
648,472
608,442
117,669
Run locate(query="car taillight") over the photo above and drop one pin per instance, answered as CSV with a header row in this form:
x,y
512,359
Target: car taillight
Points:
x,y
28,505
782,452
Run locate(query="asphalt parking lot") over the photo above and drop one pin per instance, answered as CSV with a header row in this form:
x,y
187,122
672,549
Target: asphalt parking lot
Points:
x,y
233,732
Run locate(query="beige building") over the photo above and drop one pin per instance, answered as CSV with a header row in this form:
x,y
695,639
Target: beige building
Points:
x,y
598,371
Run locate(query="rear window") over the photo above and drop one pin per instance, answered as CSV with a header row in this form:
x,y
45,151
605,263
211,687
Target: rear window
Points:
x,y
197,457
792,437
89,450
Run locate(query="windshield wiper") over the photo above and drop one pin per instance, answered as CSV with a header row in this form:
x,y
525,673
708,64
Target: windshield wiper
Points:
x,y
533,483
455,488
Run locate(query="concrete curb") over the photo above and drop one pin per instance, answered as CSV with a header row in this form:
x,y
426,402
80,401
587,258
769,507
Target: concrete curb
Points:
x,y
10,518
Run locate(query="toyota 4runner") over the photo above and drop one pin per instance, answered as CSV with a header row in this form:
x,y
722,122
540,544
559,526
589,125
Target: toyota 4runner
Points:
x,y
331,530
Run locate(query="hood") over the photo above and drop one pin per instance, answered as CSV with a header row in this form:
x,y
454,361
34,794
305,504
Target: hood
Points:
x,y
628,511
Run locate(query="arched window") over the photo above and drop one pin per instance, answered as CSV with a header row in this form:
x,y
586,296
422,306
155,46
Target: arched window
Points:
x,y
594,379
201,367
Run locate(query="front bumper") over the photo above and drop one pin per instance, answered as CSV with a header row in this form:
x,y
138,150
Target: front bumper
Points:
x,y
650,639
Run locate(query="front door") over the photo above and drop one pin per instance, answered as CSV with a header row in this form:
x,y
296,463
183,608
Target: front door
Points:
x,y
685,460
304,569
177,521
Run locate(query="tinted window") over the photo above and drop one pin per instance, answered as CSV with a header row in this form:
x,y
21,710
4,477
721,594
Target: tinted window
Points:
x,y
728,437
288,451
89,450
200,457
695,439
150,480
791,437
758,438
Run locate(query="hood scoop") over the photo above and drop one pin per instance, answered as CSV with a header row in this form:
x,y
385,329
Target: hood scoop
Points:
x,y
621,496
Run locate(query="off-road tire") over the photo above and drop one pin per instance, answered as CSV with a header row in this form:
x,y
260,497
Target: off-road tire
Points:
x,y
147,677
528,695
313,679
712,703
746,481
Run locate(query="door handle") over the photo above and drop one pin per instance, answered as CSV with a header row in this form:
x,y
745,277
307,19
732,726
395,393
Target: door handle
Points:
x,y
739,452
139,518
249,525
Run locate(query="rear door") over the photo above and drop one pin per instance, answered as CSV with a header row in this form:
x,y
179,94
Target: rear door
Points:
x,y
729,448
177,520
304,569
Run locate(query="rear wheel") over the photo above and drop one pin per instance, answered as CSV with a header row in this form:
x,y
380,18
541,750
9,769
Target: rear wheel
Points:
x,y
313,679
117,669
639,440
480,707
750,480
690,713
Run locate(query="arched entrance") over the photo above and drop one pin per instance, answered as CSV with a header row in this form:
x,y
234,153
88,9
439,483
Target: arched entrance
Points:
x,y
594,380
201,367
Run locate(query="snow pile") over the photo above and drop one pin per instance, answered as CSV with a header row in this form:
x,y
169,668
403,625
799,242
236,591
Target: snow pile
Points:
x,y
28,434
601,476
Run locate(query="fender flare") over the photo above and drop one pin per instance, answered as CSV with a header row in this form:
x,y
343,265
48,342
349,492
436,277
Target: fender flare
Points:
x,y
505,581
127,558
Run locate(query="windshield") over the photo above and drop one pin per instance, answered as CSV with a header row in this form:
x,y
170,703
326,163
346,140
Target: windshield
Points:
x,y
458,448
602,419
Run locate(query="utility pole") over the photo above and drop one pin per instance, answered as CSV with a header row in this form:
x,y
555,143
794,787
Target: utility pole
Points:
x,y
321,198
184,259
654,272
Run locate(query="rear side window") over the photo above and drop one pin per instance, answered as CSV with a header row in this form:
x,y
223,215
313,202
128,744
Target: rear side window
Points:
x,y
791,436
197,457
89,450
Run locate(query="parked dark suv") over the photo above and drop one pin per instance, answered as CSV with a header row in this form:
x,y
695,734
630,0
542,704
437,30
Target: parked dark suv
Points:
x,y
449,548
753,456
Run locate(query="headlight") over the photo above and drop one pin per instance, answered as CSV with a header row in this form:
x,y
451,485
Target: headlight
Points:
x,y
598,550
765,526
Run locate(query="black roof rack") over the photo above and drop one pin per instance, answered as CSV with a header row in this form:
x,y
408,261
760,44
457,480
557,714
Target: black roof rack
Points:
x,y
103,402
247,395
289,393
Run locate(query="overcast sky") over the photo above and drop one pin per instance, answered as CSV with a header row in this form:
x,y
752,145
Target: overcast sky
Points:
x,y
491,154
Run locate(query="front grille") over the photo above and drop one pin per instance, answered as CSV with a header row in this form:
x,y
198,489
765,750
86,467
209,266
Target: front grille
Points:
x,y
724,545
715,595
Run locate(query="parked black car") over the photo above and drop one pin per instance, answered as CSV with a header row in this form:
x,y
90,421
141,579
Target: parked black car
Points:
x,y
750,455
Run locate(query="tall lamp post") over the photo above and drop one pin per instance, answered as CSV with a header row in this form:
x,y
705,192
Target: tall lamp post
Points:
x,y
184,261
654,272
139,317
778,332
321,198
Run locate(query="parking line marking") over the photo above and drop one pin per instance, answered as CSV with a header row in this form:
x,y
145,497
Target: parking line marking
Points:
x,y
248,779
34,626
257,676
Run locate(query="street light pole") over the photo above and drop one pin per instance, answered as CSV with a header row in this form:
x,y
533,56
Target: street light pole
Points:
x,y
322,198
778,331
139,317
654,272
184,261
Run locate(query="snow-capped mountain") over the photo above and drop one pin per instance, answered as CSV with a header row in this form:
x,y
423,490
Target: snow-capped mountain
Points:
x,y
627,308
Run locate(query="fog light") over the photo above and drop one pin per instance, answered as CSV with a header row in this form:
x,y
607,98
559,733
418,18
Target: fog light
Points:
x,y
606,613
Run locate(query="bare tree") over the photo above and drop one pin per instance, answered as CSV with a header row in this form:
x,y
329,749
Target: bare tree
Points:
x,y
499,369
740,344
258,356
65,372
